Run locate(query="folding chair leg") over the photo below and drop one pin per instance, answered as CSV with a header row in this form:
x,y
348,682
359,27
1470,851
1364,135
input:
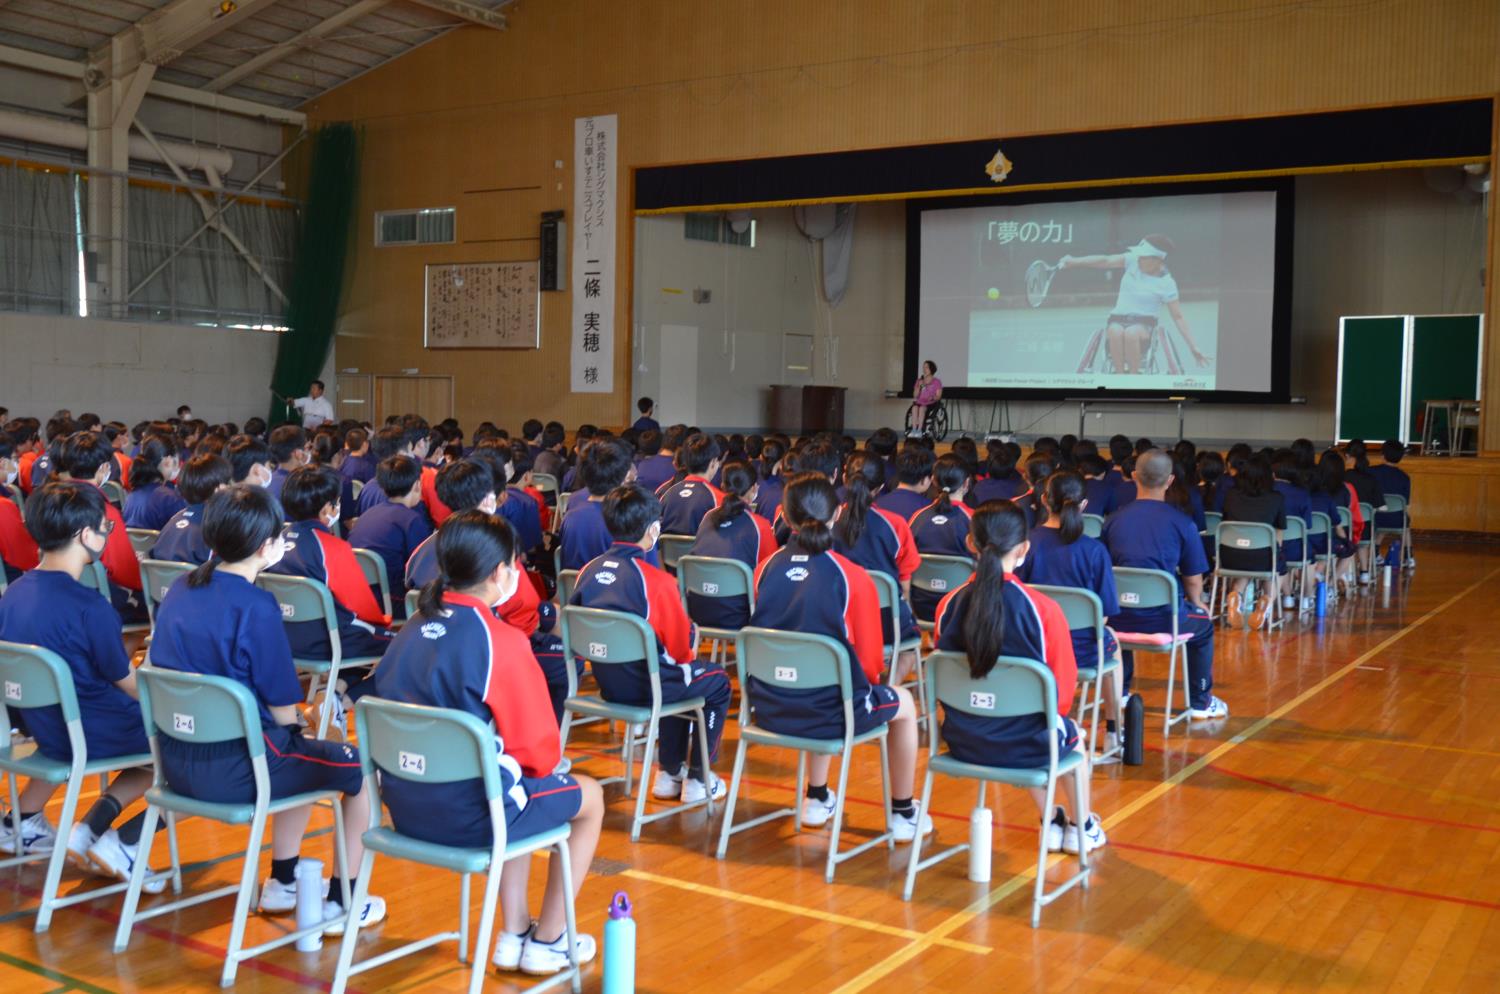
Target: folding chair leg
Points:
x,y
708,769
640,801
1083,817
137,878
734,792
487,922
59,852
838,817
1041,859
570,916
885,792
916,843
463,918
1166,727
248,875
351,928
801,790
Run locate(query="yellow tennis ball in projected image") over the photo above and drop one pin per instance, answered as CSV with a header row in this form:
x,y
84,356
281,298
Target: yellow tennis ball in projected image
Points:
x,y
993,294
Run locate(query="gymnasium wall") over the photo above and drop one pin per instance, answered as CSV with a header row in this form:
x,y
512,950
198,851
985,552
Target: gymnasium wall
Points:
x,y
483,121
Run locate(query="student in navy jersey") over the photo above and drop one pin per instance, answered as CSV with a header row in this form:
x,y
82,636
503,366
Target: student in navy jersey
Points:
x,y
913,481
1254,499
1392,480
621,579
358,466
772,482
1039,466
215,621
878,541
310,499
942,527
1098,489
657,467
468,485
289,451
250,460
455,653
1331,492
808,587
153,499
1061,555
647,407
995,615
684,504
518,502
819,456
1001,481
85,459
49,607
1151,534
181,539
731,531
1121,454
604,465
1291,485
393,530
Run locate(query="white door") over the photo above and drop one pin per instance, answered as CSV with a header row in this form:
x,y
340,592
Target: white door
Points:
x,y
678,403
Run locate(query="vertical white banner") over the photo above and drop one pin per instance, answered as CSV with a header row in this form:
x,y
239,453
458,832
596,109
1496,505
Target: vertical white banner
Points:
x,y
593,327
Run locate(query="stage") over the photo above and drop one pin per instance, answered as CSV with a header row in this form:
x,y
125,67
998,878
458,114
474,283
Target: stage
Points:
x,y
1455,494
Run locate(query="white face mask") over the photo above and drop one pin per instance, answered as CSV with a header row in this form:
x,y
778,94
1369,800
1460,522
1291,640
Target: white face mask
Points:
x,y
489,504
12,472
259,476
509,584
275,552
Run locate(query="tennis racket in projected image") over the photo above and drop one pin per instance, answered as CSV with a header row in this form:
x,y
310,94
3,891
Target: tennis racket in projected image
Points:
x,y
1038,281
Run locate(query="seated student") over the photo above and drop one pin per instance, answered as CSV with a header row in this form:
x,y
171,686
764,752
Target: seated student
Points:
x,y
389,441
1392,480
771,468
357,464
411,438
521,503
646,422
153,499
819,456
1151,534
58,430
731,531
995,615
216,621
1298,504
1097,488
1061,555
1233,460
913,481
18,551
877,540
289,451
621,579
1121,452
1001,481
310,499
942,527
22,433
181,539
604,465
553,457
684,504
1331,492
250,461
531,434
393,530
85,459
585,434
457,654
49,607
1039,466
1357,474
808,587
118,435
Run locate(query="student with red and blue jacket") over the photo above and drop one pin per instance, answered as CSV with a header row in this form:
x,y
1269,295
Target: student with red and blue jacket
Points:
x,y
941,528
181,539
86,458
685,503
18,551
731,531
622,579
876,539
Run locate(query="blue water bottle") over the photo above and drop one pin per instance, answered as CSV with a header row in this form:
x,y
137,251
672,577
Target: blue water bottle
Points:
x,y
1393,555
619,947
1320,602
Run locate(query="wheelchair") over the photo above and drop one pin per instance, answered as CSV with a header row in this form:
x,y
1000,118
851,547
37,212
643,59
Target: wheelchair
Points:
x,y
1161,355
934,425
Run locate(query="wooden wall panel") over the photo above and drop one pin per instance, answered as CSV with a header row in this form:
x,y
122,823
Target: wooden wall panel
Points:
x,y
480,109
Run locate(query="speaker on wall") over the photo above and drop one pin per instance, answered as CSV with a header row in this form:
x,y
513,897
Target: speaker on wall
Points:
x,y
554,242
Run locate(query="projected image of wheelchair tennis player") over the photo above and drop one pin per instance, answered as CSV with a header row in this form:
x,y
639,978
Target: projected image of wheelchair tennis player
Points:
x,y
1133,337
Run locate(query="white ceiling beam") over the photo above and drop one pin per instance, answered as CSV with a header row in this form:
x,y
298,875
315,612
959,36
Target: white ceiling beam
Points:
x,y
170,32
295,44
466,12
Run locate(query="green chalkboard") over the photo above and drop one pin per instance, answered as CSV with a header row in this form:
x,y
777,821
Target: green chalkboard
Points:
x,y
1371,375
1445,356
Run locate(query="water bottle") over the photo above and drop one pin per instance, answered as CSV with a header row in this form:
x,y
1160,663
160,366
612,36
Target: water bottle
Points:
x,y
619,947
1393,554
980,828
1320,601
1133,731
309,903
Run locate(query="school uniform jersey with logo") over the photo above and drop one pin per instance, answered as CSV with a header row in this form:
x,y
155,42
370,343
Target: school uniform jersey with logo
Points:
x,y
312,551
40,470
998,488
822,594
902,503
181,539
938,530
152,506
885,544
746,537
684,505
18,549
392,531
51,609
654,471
1082,563
1034,629
469,660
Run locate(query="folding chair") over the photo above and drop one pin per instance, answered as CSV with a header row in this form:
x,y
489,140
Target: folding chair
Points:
x,y
1148,588
1296,531
1093,525
305,599
15,493
1249,536
439,745
157,577
142,540
613,638
1366,549
95,577
801,661
355,487
545,484
1211,521
940,576
34,677
673,548
1083,609
1346,522
567,582
1014,688
709,576
1319,524
412,596
113,492
890,605
192,707
1395,503
373,567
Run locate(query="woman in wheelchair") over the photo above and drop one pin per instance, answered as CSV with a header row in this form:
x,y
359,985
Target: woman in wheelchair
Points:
x,y
928,392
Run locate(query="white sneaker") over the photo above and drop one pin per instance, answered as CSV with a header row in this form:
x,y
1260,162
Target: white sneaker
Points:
x,y
815,813
1216,709
373,913
906,827
37,835
508,948
80,841
1288,602
113,858
1364,578
1056,829
668,786
1308,603
694,790
1092,833
1111,751
277,898
543,959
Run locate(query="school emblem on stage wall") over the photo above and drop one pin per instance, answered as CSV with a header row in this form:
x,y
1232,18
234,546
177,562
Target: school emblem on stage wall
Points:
x,y
998,168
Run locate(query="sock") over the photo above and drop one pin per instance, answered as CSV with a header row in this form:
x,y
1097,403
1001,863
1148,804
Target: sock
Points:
x,y
10,819
903,806
130,832
336,890
102,815
1109,725
284,871
818,793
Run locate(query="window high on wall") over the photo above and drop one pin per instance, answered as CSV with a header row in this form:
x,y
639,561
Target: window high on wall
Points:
x,y
717,228
427,226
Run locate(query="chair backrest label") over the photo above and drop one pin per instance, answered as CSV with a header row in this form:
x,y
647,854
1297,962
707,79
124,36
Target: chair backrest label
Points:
x,y
981,701
12,690
1129,597
599,650
938,583
412,762
710,588
183,723
1242,543
786,674
287,611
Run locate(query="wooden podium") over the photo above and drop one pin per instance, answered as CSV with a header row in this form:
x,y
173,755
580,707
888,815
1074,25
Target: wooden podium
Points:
x,y
806,409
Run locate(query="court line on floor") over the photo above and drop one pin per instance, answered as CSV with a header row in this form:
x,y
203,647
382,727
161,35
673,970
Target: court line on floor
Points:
x,y
960,918
70,983
831,917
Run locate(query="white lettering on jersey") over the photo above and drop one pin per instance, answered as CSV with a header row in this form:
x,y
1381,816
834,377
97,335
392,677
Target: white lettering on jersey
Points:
x,y
797,574
434,630
604,578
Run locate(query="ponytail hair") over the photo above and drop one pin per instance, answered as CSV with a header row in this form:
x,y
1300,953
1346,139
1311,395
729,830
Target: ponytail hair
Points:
x,y
950,474
237,521
470,545
145,469
998,526
737,479
809,504
771,454
1039,466
1063,495
863,475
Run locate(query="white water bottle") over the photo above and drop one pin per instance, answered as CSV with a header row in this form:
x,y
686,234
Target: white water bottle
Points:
x,y
979,845
309,902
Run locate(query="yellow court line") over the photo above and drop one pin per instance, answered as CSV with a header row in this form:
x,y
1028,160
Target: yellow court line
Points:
x,y
793,909
952,923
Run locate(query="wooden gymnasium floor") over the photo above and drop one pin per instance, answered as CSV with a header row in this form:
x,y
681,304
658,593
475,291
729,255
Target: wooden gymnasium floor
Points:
x,y
1338,832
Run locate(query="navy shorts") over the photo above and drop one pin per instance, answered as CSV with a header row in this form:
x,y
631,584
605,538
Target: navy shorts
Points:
x,y
1016,752
456,814
221,772
817,717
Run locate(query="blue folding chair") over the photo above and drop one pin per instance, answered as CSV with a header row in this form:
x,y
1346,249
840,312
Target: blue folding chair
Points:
x,y
206,710
1393,504
33,678
545,484
412,597
157,577
95,577
613,638
1014,688
1366,546
673,548
1083,609
1319,524
1154,588
113,492
710,576
567,582
438,745
1093,525
373,568
940,576
1296,531
890,605
142,540
1249,536
800,661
